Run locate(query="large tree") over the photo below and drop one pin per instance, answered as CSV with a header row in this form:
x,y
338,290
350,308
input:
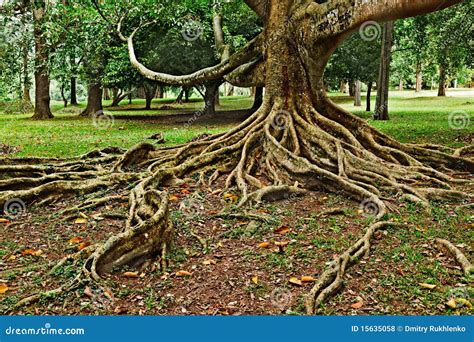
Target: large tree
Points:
x,y
298,140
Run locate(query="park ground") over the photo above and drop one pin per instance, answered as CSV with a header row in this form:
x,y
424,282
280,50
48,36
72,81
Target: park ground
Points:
x,y
226,262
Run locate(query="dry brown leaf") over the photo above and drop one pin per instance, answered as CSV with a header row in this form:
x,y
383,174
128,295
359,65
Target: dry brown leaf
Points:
x,y
83,245
32,252
185,191
296,281
282,230
88,292
209,262
3,288
131,275
427,286
183,274
264,245
357,305
307,279
75,240
174,198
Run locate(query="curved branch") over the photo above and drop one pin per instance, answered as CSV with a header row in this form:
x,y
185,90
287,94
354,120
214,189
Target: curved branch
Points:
x,y
251,74
341,16
248,52
258,6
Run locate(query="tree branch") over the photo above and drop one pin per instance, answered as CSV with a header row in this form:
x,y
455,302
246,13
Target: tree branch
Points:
x,y
248,52
341,16
258,6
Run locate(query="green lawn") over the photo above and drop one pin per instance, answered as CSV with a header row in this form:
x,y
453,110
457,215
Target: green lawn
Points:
x,y
414,119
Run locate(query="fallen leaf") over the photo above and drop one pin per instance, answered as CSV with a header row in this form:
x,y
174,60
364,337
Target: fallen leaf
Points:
x,y
4,220
12,257
88,292
83,245
80,220
185,191
452,303
282,230
3,288
75,240
255,280
209,262
357,305
174,198
307,279
264,245
296,281
231,197
32,252
427,286
183,274
131,275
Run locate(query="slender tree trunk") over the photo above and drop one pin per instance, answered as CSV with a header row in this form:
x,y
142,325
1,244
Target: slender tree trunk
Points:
x,y
381,107
343,87
258,99
94,101
442,81
42,82
159,92
74,91
186,95
351,88
106,94
179,99
419,78
357,94
369,94
150,92
63,95
212,90
400,85
26,78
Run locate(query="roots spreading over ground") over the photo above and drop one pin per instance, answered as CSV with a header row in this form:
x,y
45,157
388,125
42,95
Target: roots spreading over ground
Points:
x,y
281,150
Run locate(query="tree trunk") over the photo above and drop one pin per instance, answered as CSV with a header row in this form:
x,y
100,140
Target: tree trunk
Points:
x,y
212,90
26,78
74,91
159,92
351,88
94,101
400,85
258,99
419,78
369,94
186,95
442,81
383,84
343,87
357,94
230,90
106,94
150,92
63,96
42,82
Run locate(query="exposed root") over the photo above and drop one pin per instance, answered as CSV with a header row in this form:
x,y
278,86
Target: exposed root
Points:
x,y
332,279
461,259
283,150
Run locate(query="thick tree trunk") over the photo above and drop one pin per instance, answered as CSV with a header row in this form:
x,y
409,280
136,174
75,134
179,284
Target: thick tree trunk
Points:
x,y
357,94
94,101
419,78
42,82
369,94
442,81
383,84
74,91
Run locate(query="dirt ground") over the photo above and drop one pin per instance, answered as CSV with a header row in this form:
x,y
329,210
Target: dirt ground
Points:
x,y
224,260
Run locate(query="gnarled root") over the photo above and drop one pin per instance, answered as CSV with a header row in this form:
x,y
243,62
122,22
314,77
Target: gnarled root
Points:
x,y
284,149
461,259
332,279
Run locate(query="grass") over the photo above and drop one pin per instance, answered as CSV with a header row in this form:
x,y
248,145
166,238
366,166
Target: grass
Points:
x,y
421,119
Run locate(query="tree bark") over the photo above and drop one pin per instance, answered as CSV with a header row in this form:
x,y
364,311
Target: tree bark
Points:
x,y
383,84
42,82
210,97
94,100
400,85
419,78
357,94
343,87
26,78
369,94
442,81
